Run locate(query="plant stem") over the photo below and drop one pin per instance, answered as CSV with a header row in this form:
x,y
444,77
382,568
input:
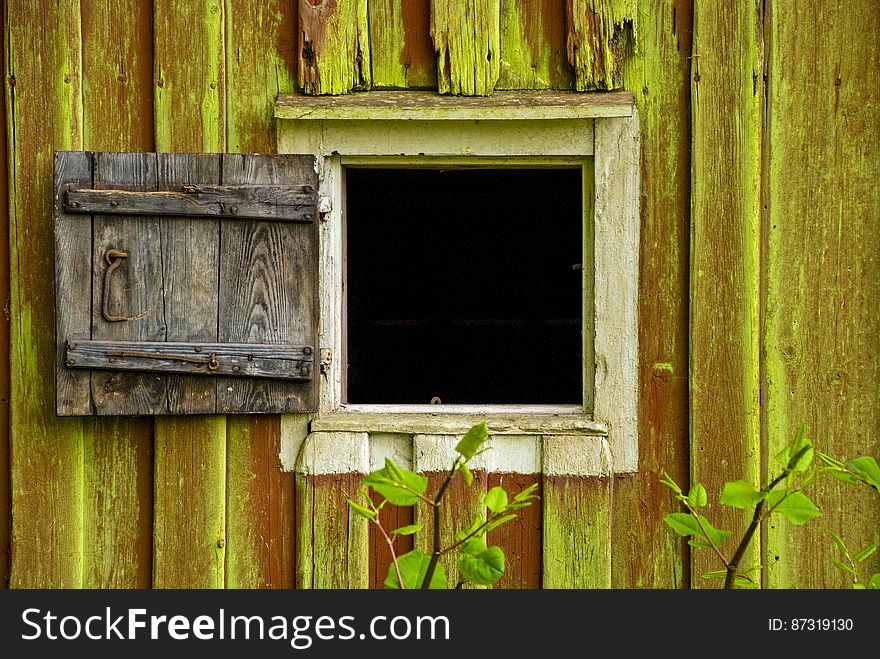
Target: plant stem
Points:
x,y
390,543
732,566
435,555
705,534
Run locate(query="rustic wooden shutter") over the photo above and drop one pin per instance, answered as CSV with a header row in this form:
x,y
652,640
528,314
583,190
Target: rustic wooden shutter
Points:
x,y
185,283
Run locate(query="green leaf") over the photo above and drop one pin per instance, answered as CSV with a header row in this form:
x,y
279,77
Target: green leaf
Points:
x,y
697,497
667,480
797,507
868,469
685,524
841,545
399,486
473,546
466,474
842,475
738,580
831,462
498,521
461,535
409,529
874,583
472,439
865,553
496,499
362,510
483,568
413,566
786,457
741,494
858,586
840,565
526,494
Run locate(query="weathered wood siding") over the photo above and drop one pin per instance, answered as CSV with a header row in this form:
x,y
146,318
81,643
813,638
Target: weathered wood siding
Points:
x,y
759,280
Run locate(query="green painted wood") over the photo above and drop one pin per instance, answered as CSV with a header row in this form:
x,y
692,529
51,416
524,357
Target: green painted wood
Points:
x,y
601,38
727,100
261,62
645,553
467,40
44,111
533,46
5,486
401,52
190,466
189,534
333,543
576,532
822,327
334,47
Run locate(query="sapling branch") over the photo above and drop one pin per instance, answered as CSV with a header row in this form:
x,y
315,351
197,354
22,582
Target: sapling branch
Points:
x,y
390,542
705,533
435,554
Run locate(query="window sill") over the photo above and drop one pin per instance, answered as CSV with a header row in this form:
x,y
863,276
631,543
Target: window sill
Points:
x,y
457,421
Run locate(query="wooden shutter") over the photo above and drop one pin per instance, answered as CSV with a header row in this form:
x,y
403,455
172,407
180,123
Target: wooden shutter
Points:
x,y
185,283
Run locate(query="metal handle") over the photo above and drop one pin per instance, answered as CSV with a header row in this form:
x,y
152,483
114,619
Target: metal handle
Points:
x,y
210,361
114,260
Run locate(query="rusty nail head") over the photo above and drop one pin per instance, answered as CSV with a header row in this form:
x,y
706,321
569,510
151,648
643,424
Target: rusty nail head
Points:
x,y
233,209
198,348
112,360
221,543
307,350
71,345
236,368
304,370
114,203
71,362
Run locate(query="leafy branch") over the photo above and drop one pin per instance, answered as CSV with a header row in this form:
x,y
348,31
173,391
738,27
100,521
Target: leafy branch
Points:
x,y
478,563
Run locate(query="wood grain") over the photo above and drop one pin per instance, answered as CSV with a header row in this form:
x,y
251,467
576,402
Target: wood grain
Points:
x,y
334,46
467,41
136,287
821,322
278,202
268,285
117,53
401,52
5,485
73,273
44,113
533,45
727,99
261,63
646,554
601,35
521,538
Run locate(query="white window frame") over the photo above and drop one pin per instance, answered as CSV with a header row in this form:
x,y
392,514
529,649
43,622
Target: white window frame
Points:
x,y
598,132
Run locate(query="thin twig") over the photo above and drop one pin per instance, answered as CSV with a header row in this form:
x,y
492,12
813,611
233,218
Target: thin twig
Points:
x,y
393,554
435,555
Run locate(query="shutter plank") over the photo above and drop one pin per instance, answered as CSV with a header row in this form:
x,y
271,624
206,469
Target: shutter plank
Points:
x,y
189,274
135,287
267,285
73,242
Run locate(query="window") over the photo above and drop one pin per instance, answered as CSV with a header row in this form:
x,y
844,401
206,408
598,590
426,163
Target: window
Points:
x,y
559,289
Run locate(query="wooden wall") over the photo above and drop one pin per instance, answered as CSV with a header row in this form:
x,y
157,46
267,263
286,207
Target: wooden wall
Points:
x,y
760,279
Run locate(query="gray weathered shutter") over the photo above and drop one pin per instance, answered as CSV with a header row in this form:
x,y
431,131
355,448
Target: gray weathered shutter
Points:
x,y
185,283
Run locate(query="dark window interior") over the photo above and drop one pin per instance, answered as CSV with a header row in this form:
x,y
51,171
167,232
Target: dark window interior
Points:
x,y
464,286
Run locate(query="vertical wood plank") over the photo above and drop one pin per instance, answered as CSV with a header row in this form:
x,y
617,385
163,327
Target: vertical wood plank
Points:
x,y
261,60
334,46
118,489
646,554
520,538
260,508
822,327
189,534
467,40
73,273
5,485
189,73
135,288
332,542
44,113
260,497
727,100
576,532
190,267
601,36
533,46
401,52
268,287
432,457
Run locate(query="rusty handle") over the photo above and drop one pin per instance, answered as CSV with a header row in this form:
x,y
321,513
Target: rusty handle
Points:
x,y
114,259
